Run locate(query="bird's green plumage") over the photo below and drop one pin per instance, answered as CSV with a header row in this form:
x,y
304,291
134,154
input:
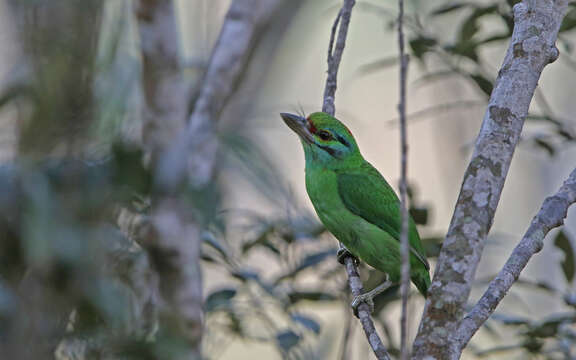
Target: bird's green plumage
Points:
x,y
354,201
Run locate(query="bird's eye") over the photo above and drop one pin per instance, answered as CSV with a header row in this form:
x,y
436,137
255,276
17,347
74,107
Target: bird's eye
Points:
x,y
324,135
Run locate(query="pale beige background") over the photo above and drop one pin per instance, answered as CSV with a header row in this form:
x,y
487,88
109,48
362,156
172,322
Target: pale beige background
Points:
x,y
439,145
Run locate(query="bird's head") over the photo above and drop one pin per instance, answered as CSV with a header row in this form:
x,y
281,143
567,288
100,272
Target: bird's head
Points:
x,y
325,139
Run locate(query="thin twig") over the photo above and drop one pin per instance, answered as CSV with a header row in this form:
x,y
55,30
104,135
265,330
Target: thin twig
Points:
x,y
334,56
404,244
551,215
364,311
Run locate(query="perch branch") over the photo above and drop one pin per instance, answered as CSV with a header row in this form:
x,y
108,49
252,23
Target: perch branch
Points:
x,y
404,244
532,47
551,215
334,56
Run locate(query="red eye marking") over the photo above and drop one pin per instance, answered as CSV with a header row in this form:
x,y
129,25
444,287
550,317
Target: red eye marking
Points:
x,y
311,126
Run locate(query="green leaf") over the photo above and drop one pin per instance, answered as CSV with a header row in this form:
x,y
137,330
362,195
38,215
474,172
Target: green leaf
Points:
x,y
308,322
470,27
450,7
420,215
563,242
297,296
421,45
377,65
245,275
545,145
432,245
211,241
550,325
569,21
483,83
219,299
287,339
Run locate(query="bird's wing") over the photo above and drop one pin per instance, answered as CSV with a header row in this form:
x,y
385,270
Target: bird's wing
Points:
x,y
367,194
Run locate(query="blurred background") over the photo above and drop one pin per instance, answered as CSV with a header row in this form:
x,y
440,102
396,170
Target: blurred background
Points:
x,y
80,128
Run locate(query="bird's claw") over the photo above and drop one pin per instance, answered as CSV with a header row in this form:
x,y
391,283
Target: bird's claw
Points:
x,y
343,253
360,299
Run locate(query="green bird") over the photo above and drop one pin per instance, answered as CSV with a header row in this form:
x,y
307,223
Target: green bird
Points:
x,y
354,201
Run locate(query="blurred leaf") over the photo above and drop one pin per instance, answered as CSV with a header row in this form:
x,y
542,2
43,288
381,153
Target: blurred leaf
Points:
x,y
432,245
246,275
550,325
470,25
12,93
210,240
287,339
467,49
510,319
308,261
420,215
219,299
494,38
297,296
564,243
129,170
421,45
545,145
450,7
483,83
315,259
547,118
533,345
569,21
378,65
308,322
542,285
262,240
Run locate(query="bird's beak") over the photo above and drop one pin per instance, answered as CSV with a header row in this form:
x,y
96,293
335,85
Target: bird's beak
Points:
x,y
299,125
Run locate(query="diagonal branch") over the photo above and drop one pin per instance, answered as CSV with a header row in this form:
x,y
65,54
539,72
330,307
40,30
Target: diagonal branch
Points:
x,y
334,56
242,29
531,49
551,215
184,150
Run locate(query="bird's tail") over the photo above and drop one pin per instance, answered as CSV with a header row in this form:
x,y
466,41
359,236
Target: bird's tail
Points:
x,y
422,281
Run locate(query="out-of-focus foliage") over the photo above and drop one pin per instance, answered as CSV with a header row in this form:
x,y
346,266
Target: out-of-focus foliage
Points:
x,y
465,51
75,201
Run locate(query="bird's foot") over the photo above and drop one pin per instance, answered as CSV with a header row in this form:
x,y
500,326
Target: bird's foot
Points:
x,y
368,297
365,298
343,253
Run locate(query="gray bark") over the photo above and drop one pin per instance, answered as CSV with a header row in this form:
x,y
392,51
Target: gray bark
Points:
x,y
551,215
531,48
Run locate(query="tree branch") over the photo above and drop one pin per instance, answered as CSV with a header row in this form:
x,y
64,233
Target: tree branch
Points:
x,y
239,35
172,238
364,315
404,243
531,49
551,215
184,152
334,56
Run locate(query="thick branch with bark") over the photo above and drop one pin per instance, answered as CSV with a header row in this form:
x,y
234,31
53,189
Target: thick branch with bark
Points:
x,y
532,47
551,215
173,239
243,26
184,152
